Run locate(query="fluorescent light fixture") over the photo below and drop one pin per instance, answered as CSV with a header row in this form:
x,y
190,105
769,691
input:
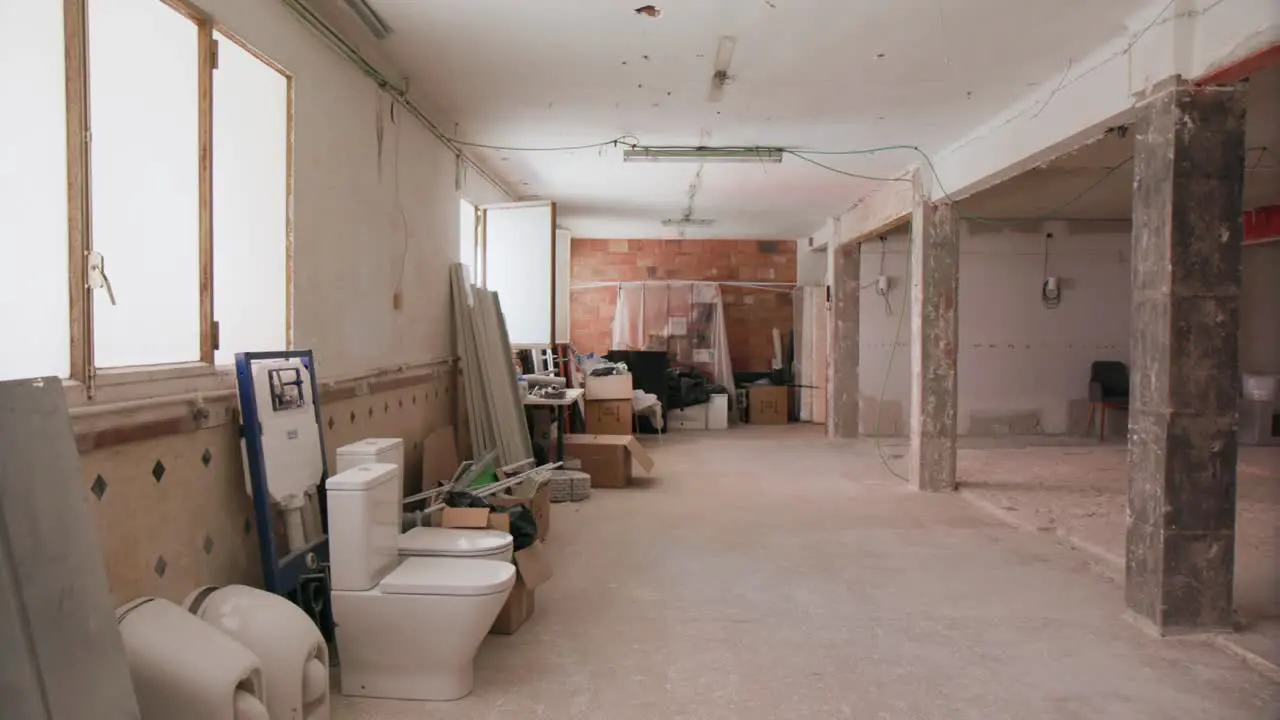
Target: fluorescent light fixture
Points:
x,y
688,222
377,26
703,155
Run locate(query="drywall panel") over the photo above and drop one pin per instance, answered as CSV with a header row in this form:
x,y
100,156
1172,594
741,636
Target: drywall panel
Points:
x,y
519,265
57,627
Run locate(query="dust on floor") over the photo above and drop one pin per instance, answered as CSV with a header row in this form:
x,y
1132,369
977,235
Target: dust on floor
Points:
x,y
768,572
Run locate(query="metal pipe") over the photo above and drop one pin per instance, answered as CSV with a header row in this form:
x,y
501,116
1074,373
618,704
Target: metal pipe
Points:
x,y
195,399
503,485
310,18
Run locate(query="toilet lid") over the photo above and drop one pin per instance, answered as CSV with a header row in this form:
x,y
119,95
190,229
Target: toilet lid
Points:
x,y
448,576
453,542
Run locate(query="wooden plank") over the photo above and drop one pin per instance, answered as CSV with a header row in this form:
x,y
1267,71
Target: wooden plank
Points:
x,y
208,58
78,215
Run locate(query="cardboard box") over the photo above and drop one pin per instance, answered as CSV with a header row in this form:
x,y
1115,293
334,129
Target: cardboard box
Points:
x,y
609,417
533,568
475,518
718,413
690,418
607,458
609,387
539,504
768,405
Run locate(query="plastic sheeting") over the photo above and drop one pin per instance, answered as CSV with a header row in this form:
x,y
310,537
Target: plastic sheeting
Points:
x,y
686,319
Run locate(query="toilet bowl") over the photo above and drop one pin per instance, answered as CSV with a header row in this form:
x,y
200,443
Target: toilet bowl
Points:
x,y
183,668
408,627
457,543
289,646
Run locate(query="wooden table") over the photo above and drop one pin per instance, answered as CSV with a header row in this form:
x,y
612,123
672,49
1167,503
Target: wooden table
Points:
x,y
571,396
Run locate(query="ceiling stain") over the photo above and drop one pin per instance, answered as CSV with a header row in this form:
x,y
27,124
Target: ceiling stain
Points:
x,y
644,58
770,4
650,11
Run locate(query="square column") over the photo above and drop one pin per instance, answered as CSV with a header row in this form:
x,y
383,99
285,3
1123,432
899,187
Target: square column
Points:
x,y
1187,233
935,288
842,322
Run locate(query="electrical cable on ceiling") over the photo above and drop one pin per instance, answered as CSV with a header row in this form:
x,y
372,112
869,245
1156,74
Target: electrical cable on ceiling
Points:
x,y
632,142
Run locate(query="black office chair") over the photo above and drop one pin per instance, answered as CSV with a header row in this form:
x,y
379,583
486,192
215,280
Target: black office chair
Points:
x,y
1108,388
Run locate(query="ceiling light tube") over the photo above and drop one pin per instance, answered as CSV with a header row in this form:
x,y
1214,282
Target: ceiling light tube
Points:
x,y
377,26
703,155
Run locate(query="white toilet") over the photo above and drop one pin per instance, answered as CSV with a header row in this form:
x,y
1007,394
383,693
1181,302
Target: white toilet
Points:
x,y
288,645
427,541
371,450
408,627
183,668
457,543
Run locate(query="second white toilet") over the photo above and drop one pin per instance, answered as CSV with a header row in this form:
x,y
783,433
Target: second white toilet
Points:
x,y
408,627
426,541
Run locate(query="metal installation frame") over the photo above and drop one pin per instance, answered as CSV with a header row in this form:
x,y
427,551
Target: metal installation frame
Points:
x,y
300,575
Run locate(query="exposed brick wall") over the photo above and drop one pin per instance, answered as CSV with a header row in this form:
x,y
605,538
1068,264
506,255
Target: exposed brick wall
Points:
x,y
750,313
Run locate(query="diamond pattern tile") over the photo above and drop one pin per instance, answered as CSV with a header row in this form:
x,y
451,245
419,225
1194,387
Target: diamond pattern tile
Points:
x,y
208,545
401,402
370,411
99,487
157,471
161,566
330,422
206,458
353,416
386,408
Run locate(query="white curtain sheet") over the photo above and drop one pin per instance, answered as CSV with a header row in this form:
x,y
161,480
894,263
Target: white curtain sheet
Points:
x,y
686,319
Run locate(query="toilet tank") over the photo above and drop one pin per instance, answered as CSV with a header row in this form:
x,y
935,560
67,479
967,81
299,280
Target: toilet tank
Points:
x,y
364,525
371,450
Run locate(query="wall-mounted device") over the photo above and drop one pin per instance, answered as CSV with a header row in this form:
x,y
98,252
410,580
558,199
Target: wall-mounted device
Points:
x,y
1051,289
884,284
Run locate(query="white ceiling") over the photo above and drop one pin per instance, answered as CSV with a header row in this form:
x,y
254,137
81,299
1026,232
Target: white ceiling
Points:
x,y
815,74
1096,181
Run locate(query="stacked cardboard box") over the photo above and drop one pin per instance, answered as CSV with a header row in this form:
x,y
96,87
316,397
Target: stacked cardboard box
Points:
x,y
609,405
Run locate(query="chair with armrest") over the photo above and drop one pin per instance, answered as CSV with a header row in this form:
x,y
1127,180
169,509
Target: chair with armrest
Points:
x,y
1108,388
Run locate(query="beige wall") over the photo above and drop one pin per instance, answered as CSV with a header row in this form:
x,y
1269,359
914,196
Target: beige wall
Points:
x,y
1021,365
1259,307
349,243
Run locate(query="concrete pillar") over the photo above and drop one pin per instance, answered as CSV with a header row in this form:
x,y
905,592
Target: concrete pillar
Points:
x,y
935,286
842,320
1185,377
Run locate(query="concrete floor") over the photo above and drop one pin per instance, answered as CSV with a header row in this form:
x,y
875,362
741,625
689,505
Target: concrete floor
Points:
x,y
1077,490
768,573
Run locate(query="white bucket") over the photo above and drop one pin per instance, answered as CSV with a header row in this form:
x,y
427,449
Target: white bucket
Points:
x,y
1261,388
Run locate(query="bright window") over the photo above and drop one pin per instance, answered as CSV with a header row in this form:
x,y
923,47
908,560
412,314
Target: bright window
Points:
x,y
250,203
35,323
145,181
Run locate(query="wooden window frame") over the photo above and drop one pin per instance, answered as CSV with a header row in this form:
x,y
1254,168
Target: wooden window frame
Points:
x,y
85,378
